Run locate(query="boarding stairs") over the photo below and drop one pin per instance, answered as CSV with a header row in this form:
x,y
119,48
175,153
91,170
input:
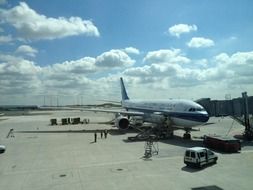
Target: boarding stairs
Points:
x,y
143,135
151,147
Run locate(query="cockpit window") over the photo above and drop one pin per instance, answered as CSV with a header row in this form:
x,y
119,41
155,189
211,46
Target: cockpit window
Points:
x,y
196,109
192,109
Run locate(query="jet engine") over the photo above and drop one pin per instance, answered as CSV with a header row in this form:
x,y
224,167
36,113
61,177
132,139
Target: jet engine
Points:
x,y
122,122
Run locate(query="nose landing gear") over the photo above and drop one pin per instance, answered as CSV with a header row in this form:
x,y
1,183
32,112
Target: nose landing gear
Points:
x,y
187,134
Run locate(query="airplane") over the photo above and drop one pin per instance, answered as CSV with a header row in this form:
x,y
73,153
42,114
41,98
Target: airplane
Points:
x,y
169,114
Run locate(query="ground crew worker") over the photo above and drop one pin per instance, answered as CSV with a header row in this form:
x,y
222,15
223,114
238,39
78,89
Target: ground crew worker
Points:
x,y
101,133
95,137
12,133
105,133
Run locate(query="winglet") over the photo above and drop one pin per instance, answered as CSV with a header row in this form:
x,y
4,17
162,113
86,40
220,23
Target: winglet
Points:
x,y
123,90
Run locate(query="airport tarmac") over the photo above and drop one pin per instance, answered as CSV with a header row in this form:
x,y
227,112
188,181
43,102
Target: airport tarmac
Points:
x,y
40,156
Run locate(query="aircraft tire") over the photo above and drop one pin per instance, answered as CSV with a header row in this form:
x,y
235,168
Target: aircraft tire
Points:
x,y
187,136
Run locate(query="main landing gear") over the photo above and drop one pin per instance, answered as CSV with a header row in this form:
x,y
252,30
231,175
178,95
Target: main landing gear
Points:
x,y
187,134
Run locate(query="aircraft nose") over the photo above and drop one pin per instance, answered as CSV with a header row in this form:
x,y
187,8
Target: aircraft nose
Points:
x,y
205,117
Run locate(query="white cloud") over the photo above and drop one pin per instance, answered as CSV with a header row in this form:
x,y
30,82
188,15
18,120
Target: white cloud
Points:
x,y
199,42
138,71
18,76
5,39
222,69
132,50
166,55
27,50
154,73
179,29
64,83
34,26
114,58
13,64
82,66
86,65
72,77
240,64
242,58
163,77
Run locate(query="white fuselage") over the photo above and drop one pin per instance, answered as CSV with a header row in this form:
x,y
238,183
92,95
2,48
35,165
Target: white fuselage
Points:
x,y
183,113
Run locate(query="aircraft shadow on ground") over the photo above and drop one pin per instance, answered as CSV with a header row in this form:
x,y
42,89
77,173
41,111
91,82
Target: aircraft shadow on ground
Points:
x,y
176,140
110,131
180,141
119,132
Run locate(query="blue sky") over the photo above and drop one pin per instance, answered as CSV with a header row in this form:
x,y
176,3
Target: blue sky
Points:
x,y
78,49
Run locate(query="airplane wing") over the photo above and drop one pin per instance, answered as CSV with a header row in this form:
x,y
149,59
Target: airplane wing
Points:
x,y
111,101
57,108
124,112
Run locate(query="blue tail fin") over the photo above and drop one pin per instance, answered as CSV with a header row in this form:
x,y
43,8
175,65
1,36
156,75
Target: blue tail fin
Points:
x,y
123,90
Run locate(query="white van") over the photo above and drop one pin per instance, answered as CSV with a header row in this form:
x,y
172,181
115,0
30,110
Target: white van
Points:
x,y
199,156
2,148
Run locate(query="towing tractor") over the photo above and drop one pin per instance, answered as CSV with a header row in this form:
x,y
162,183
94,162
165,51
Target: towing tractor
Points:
x,y
199,157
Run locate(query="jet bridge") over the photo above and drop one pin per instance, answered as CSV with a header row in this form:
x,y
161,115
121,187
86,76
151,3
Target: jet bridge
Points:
x,y
240,109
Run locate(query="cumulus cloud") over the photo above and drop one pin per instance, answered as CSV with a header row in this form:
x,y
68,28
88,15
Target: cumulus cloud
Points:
x,y
64,83
132,50
179,29
72,77
138,71
27,50
81,66
199,42
240,63
18,75
221,74
228,69
11,64
5,39
34,26
86,65
114,58
22,76
164,74
154,71
166,55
